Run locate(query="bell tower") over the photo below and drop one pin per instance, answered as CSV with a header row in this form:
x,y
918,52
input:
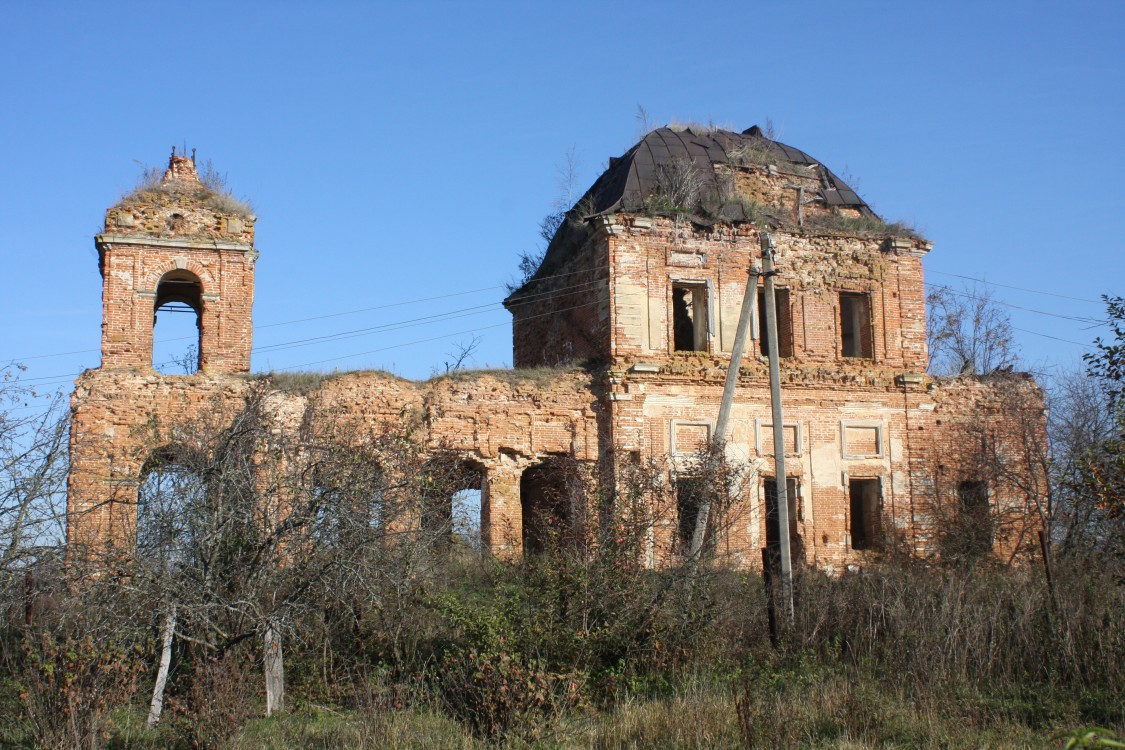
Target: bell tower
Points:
x,y
177,241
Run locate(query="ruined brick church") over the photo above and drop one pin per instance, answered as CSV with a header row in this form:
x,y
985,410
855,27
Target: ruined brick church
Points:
x,y
634,308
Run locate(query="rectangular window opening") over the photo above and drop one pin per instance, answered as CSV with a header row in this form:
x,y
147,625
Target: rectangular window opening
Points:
x,y
773,531
972,497
689,318
690,492
855,325
784,323
866,513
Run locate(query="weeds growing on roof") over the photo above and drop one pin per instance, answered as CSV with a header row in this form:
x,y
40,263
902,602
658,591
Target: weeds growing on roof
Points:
x,y
863,226
213,191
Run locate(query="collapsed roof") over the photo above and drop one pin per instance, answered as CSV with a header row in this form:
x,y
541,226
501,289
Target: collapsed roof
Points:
x,y
633,178
702,173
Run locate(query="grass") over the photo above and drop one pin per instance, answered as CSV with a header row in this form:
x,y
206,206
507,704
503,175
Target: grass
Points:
x,y
864,226
916,676
304,383
835,709
212,191
513,376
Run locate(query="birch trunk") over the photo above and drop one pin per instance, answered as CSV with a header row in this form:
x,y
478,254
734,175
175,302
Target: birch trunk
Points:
x,y
162,674
274,669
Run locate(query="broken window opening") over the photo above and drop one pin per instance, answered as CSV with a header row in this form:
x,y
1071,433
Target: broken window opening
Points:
x,y
855,325
689,318
548,497
784,323
176,336
977,524
866,505
166,496
691,491
773,532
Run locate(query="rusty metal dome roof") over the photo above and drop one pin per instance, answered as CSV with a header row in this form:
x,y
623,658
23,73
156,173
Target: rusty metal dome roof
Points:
x,y
632,178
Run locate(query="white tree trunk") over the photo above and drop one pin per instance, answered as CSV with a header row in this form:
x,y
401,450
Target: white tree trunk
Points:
x,y
162,674
274,669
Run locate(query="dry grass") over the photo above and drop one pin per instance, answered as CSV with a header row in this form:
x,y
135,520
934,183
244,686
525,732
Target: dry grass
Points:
x,y
532,375
679,126
832,711
212,192
863,226
305,383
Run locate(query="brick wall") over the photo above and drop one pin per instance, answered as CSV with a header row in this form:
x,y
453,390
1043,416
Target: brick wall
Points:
x,y
608,303
563,316
177,229
503,423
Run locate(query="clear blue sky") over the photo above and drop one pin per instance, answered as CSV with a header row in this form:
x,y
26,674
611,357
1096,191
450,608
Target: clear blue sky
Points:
x,y
397,152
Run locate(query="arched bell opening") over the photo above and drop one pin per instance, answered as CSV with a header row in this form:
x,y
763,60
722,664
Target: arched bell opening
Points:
x,y
177,324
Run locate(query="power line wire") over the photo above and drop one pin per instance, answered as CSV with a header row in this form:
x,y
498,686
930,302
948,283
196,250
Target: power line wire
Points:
x,y
436,318
436,338
1056,338
529,299
1092,321
1018,288
414,301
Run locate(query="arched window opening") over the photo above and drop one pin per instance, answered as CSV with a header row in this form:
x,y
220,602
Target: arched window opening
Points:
x,y
168,498
452,504
550,498
177,324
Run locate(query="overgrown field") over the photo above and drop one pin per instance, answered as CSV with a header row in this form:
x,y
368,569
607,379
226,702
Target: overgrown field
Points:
x,y
591,650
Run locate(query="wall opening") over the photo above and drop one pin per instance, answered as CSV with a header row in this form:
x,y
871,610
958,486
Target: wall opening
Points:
x,y
452,511
976,520
169,496
177,324
348,501
773,532
855,325
549,499
784,323
689,318
690,494
866,505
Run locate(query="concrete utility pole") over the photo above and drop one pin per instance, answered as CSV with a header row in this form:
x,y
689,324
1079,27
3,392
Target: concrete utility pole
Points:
x,y
703,515
780,481
744,318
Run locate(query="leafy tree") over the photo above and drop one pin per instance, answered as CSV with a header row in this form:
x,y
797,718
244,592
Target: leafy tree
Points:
x,y
1103,470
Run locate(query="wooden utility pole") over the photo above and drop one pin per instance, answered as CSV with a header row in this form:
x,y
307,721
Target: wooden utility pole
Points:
x,y
782,495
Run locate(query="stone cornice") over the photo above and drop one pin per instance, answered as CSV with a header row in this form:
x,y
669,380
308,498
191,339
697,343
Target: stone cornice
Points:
x,y
103,240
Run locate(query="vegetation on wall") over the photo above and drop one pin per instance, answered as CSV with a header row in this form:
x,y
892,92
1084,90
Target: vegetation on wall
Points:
x,y
213,190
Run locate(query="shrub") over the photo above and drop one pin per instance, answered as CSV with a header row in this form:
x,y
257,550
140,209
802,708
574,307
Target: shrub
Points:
x,y
500,695
218,703
69,687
